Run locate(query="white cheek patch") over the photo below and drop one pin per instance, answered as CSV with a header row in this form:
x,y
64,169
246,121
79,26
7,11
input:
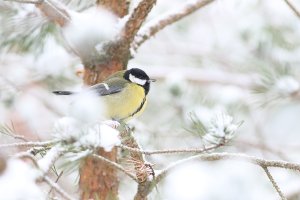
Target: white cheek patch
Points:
x,y
136,80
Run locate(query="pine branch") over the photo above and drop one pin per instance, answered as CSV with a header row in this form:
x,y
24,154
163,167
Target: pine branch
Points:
x,y
275,185
157,25
120,8
136,19
50,158
29,144
171,151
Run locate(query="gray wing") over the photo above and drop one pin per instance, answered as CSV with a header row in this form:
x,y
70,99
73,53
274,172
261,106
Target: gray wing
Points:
x,y
103,89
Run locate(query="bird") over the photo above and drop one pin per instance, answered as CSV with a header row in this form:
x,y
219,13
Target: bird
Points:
x,y
124,94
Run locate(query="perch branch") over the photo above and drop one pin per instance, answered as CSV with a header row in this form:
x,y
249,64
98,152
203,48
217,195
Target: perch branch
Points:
x,y
156,25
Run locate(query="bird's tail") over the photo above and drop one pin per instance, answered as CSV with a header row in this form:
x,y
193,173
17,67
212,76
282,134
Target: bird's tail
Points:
x,y
63,92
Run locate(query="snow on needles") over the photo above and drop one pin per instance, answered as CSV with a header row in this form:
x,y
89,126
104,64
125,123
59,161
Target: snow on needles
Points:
x,y
221,128
87,135
287,85
18,181
84,33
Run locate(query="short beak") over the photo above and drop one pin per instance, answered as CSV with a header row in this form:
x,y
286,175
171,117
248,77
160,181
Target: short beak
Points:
x,y
151,80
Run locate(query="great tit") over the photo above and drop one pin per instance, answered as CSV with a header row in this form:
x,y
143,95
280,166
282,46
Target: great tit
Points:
x,y
124,93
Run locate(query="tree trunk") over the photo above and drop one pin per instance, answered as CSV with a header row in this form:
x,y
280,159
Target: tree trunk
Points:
x,y
97,179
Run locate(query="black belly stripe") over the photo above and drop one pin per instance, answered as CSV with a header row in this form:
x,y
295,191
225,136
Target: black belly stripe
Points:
x,y
139,108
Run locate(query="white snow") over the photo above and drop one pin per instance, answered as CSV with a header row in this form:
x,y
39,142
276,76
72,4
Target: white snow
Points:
x,y
66,128
187,182
87,135
287,85
221,127
48,160
87,107
100,135
84,32
18,181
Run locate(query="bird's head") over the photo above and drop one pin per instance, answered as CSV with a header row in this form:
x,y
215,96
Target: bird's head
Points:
x,y
138,76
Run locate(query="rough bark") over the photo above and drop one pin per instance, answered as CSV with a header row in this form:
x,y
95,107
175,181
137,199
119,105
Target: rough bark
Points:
x,y
119,7
97,179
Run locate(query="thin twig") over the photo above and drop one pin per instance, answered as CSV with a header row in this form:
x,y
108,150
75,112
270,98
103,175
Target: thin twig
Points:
x,y
222,156
57,188
58,177
171,151
156,25
115,165
29,144
275,185
293,8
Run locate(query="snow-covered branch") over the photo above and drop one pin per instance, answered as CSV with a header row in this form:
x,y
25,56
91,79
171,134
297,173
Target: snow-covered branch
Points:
x,y
161,22
28,144
275,185
172,151
49,159
136,19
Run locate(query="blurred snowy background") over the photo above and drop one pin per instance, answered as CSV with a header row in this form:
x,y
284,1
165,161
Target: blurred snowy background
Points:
x,y
236,57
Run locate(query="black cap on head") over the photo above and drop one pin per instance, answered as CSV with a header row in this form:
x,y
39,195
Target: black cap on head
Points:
x,y
139,77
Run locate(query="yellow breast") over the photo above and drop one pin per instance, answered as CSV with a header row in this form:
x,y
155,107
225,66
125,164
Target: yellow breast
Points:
x,y
126,104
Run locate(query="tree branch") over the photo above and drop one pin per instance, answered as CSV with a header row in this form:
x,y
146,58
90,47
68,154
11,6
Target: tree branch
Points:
x,y
115,165
120,8
293,8
171,151
156,25
136,19
28,144
275,185
222,156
